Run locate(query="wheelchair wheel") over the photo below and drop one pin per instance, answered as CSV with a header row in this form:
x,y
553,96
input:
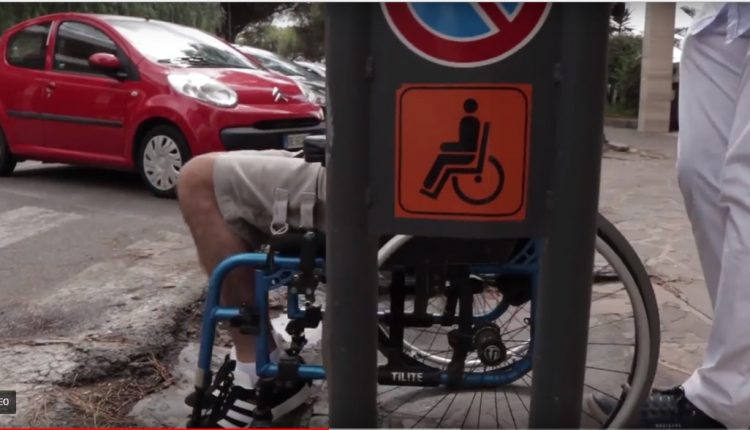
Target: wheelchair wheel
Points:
x,y
621,358
481,189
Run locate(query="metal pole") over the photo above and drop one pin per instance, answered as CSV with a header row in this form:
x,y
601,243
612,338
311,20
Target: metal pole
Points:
x,y
564,298
351,300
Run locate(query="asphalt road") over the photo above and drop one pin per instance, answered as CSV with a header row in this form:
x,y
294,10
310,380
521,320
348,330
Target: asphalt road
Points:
x,y
56,221
93,269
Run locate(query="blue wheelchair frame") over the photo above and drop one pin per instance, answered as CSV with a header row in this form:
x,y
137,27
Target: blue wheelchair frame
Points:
x,y
214,313
525,263
274,271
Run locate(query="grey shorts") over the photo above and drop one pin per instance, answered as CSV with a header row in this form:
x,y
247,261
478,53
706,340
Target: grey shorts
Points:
x,y
269,192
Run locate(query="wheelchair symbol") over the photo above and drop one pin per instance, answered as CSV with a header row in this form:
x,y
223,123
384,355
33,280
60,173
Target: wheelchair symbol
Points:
x,y
465,158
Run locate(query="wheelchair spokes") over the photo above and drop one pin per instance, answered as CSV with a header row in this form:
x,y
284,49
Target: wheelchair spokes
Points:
x,y
620,353
455,340
501,344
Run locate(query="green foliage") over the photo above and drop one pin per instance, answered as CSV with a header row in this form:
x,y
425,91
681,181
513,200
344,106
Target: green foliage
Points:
x,y
311,31
620,23
305,38
206,16
248,23
620,111
624,70
238,15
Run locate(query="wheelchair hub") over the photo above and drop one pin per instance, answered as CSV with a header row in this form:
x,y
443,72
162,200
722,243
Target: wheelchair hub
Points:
x,y
489,345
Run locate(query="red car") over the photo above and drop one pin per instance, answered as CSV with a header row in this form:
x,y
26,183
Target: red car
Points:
x,y
138,94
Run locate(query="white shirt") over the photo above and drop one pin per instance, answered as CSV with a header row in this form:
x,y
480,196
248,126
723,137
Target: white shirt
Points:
x,y
737,17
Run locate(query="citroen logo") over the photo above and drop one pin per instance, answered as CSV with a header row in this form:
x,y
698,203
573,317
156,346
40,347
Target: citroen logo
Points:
x,y
278,96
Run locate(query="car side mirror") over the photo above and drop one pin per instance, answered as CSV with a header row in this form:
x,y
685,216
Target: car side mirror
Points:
x,y
105,61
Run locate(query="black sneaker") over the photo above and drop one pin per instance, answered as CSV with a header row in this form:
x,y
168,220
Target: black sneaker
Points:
x,y
234,407
225,372
282,397
226,405
237,407
663,409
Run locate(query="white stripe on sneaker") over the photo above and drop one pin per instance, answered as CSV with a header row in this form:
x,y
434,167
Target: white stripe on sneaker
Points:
x,y
27,221
244,405
239,416
292,403
227,424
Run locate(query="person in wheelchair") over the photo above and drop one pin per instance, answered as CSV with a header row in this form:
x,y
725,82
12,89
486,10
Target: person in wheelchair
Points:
x,y
232,202
460,153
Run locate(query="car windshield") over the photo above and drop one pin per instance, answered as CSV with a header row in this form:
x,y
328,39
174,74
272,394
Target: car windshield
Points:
x,y
167,43
281,65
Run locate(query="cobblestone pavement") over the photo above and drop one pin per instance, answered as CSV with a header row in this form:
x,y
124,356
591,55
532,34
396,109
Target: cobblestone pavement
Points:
x,y
640,195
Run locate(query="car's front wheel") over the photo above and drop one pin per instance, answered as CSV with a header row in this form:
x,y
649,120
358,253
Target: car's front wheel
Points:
x,y
163,152
7,159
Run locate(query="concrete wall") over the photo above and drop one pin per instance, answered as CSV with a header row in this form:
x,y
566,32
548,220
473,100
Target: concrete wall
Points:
x,y
656,68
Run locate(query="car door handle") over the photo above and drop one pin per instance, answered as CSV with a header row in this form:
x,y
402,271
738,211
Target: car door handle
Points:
x,y
51,86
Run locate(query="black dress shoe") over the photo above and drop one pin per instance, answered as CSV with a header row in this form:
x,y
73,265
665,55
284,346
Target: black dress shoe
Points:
x,y
668,409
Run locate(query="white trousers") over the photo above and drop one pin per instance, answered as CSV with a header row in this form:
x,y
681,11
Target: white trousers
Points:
x,y
713,165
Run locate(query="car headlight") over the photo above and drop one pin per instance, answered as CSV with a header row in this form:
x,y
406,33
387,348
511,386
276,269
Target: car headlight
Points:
x,y
311,95
204,88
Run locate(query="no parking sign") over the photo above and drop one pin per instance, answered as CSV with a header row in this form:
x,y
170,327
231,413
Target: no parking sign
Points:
x,y
471,121
465,34
453,163
460,102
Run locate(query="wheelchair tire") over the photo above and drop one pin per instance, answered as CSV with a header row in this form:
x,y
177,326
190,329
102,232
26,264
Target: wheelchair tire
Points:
x,y
623,260
7,159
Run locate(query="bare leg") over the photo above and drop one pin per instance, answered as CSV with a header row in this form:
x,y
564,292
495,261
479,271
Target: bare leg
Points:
x,y
215,241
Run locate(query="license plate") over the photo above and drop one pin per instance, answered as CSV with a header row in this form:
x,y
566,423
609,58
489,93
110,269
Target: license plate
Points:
x,y
294,141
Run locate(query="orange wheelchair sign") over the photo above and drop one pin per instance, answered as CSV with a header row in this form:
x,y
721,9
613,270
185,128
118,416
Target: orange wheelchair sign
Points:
x,y
462,151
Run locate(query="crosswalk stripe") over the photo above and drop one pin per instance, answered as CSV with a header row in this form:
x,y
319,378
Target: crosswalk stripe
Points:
x,y
27,221
149,274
